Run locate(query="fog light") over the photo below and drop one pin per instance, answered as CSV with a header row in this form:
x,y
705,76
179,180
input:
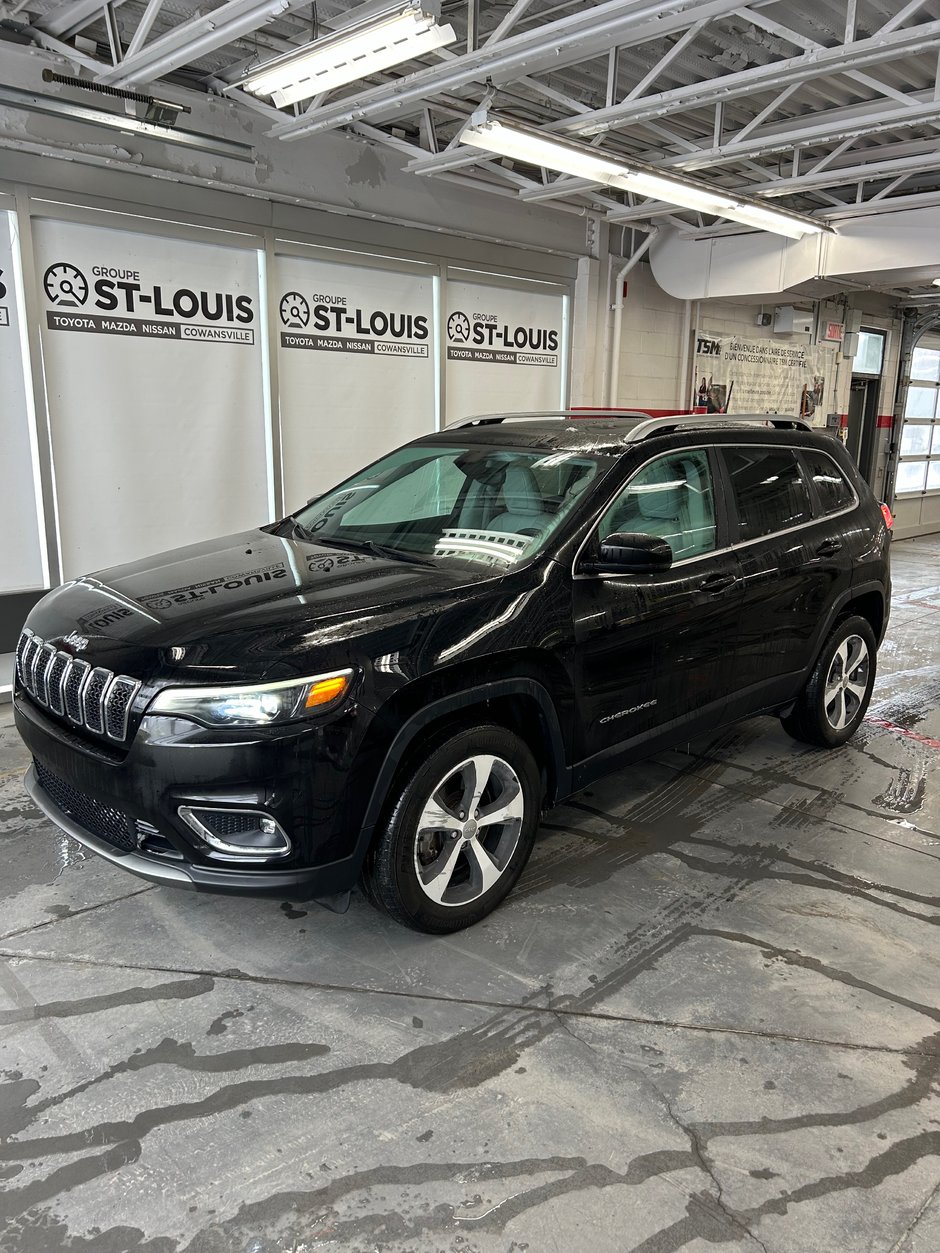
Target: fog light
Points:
x,y
237,833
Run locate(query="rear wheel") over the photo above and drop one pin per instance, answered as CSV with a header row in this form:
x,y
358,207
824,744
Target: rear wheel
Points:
x,y
460,831
836,696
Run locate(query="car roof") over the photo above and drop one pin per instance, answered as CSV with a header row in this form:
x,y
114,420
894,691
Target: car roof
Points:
x,y
604,432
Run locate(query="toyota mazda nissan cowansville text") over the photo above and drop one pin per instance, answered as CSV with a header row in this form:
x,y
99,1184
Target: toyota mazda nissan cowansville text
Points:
x,y
392,684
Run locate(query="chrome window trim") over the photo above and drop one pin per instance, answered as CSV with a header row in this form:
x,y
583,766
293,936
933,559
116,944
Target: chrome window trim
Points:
x,y
728,548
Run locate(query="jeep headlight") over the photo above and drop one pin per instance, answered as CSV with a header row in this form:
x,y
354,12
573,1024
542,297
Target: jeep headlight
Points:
x,y
257,705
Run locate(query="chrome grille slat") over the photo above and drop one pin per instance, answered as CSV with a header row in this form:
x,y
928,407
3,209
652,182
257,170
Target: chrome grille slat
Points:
x,y
78,672
93,698
97,699
47,656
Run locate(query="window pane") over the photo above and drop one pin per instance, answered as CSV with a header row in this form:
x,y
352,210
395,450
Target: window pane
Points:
x,y
935,450
868,356
833,491
920,402
769,490
915,440
672,498
926,364
911,476
933,476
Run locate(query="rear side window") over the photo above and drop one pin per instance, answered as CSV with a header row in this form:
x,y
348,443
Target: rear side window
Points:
x,y
831,487
769,488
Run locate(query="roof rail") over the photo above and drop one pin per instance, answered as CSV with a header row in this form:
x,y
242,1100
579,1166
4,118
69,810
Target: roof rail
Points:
x,y
717,421
560,415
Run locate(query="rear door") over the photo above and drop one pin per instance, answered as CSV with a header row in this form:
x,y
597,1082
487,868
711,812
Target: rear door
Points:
x,y
655,650
793,563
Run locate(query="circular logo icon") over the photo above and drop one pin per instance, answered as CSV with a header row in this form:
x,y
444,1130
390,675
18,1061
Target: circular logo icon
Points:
x,y
295,312
458,328
65,284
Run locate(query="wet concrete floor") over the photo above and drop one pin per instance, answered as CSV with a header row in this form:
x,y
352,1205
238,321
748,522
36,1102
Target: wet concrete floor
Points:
x,y
707,1017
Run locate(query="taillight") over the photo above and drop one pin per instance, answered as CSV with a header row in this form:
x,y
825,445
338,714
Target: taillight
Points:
x,y
886,514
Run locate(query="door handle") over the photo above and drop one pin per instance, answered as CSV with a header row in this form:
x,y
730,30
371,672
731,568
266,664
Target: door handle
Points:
x,y
829,548
717,583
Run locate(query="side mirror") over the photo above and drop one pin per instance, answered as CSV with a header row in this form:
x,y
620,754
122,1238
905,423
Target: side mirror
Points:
x,y
632,553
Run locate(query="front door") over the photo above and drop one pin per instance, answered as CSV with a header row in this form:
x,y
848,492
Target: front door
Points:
x,y
655,650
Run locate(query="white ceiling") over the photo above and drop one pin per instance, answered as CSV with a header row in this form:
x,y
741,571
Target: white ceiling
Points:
x,y
826,106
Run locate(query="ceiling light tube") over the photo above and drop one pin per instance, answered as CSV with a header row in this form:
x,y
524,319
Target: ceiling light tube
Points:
x,y
512,139
397,34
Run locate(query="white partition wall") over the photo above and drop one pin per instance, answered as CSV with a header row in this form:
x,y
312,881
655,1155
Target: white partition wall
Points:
x,y
153,360
21,567
507,347
357,363
174,370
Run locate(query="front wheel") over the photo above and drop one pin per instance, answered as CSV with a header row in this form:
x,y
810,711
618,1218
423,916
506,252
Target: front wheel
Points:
x,y
460,832
836,696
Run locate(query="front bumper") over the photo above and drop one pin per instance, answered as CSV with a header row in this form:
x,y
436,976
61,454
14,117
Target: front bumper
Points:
x,y
300,777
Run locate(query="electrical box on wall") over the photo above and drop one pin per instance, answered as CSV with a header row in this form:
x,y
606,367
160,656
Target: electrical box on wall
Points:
x,y
790,321
763,319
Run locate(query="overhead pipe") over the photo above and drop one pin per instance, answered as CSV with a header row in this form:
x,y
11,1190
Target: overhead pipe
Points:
x,y
613,366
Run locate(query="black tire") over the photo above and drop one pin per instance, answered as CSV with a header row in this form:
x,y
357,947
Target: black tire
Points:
x,y
817,717
392,874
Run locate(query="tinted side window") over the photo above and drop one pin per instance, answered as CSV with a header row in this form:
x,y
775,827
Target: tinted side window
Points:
x,y
671,497
770,491
831,487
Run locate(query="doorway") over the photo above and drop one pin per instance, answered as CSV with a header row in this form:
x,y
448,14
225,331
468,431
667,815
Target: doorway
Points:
x,y
863,423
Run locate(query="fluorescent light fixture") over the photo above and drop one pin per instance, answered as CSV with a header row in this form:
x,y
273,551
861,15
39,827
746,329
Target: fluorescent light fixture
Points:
x,y
386,38
523,143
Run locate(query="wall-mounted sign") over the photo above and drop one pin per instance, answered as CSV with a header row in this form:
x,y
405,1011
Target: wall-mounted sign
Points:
x,y
834,332
356,366
155,388
505,348
115,300
734,375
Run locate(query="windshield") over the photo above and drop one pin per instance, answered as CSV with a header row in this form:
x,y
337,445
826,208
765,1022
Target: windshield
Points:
x,y
494,506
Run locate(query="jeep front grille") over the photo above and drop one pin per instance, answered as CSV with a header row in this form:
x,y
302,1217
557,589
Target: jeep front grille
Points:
x,y
95,698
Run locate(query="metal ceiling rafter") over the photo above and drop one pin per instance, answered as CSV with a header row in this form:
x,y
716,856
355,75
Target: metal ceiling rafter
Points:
x,y
812,45
144,26
67,19
587,33
773,76
195,38
916,113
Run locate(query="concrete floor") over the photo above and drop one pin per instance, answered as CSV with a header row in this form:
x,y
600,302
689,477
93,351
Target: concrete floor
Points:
x,y
707,1017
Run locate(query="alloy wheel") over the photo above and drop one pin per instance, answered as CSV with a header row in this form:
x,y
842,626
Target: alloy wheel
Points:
x,y
468,830
847,682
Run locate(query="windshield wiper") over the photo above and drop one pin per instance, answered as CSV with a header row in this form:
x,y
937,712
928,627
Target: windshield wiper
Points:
x,y
371,546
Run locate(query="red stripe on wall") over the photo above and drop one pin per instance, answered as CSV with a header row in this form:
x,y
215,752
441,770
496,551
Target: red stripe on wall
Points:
x,y
885,420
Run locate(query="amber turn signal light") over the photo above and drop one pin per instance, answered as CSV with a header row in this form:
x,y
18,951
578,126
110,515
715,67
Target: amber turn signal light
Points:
x,y
326,690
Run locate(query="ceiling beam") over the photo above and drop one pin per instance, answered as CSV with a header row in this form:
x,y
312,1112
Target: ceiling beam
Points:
x,y
65,19
771,77
586,33
880,119
193,39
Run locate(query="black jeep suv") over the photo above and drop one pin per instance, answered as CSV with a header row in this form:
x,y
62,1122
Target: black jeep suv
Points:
x,y
394,682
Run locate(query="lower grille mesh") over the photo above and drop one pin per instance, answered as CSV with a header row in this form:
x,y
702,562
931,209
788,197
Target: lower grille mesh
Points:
x,y
103,821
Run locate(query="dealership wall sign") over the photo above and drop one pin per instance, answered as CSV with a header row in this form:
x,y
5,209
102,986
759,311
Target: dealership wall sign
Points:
x,y
483,336
332,322
113,300
156,388
734,375
504,347
356,366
